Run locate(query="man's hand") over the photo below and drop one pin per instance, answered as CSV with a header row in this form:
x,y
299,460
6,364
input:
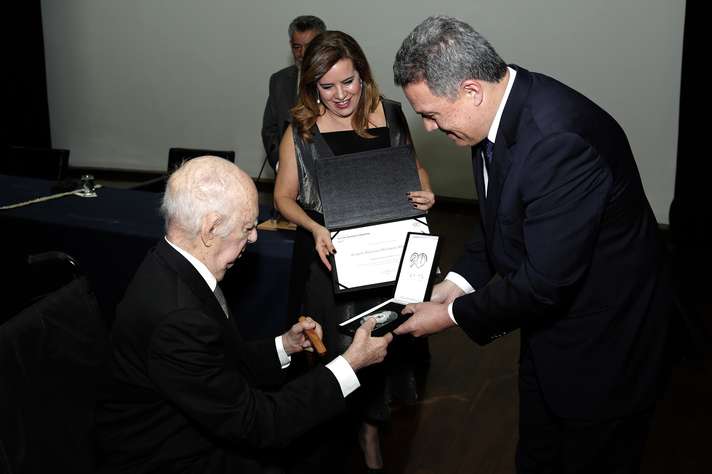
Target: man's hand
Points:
x,y
445,292
427,318
365,349
295,340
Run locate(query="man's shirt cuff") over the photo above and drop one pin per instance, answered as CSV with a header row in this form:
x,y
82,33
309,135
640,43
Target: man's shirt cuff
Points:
x,y
284,358
461,283
449,312
344,374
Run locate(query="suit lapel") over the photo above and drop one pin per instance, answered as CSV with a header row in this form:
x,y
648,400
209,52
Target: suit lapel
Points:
x,y
293,78
501,162
506,138
197,284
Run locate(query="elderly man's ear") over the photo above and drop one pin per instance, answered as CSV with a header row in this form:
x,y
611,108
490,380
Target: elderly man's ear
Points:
x,y
208,228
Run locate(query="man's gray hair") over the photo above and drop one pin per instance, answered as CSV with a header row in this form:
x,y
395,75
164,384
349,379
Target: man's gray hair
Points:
x,y
444,51
306,23
199,187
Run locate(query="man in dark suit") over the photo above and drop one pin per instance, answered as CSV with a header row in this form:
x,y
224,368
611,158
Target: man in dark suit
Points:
x,y
184,396
283,86
567,250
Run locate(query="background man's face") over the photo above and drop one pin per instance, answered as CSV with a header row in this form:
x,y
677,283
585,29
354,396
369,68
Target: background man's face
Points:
x,y
299,42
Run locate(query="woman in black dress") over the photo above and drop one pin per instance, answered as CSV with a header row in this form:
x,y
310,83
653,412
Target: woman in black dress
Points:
x,y
339,111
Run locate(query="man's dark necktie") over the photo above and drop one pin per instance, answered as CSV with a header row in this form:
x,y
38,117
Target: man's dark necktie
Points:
x,y
487,151
221,299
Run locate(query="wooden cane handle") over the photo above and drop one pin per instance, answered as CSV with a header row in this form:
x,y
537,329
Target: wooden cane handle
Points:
x,y
318,346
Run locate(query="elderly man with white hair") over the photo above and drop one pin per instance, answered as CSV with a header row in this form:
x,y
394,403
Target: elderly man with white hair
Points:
x,y
184,393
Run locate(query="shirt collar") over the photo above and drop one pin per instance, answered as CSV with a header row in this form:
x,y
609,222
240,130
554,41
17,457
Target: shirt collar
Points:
x,y
492,134
200,266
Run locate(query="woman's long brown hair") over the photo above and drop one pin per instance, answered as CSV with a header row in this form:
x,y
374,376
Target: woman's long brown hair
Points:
x,y
325,50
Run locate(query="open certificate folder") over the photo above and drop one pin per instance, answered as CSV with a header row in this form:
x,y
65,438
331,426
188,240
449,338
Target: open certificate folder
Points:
x,y
369,255
415,274
366,209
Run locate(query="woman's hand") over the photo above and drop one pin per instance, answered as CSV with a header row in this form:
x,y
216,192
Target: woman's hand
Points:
x,y
323,245
422,200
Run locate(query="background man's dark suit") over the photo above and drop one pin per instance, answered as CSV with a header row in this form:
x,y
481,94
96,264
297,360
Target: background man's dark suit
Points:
x,y
568,229
184,398
282,97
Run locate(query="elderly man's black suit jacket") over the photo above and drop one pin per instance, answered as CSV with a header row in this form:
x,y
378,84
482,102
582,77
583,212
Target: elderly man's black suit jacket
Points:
x,y
569,234
184,396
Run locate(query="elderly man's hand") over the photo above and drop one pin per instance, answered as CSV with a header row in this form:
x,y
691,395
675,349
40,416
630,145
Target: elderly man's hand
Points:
x,y
296,340
427,318
366,349
445,292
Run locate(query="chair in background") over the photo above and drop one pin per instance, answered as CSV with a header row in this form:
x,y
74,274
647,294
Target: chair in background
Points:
x,y
53,356
176,156
47,163
33,278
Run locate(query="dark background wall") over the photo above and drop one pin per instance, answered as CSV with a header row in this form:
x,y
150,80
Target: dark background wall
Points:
x,y
128,80
691,209
27,112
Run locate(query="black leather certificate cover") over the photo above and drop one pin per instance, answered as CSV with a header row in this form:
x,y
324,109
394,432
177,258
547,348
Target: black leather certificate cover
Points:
x,y
368,187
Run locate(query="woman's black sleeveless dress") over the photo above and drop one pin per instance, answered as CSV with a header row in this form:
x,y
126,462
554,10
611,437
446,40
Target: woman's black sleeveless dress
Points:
x,y
312,291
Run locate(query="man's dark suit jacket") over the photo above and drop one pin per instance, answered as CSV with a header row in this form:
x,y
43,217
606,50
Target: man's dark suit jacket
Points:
x,y
282,97
572,244
183,396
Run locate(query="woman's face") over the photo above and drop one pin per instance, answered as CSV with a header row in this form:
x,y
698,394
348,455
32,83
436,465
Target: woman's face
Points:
x,y
340,88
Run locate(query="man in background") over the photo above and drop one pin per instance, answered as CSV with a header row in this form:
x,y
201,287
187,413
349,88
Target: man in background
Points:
x,y
283,86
